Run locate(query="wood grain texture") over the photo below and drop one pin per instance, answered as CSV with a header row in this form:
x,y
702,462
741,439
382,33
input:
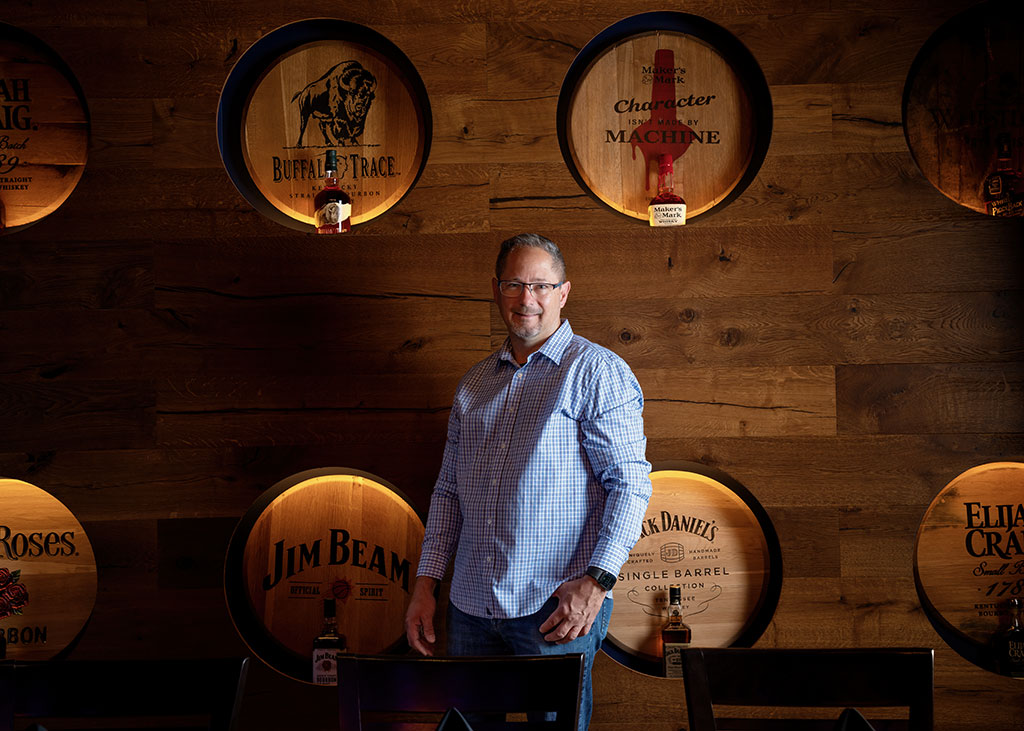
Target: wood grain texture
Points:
x,y
842,339
922,399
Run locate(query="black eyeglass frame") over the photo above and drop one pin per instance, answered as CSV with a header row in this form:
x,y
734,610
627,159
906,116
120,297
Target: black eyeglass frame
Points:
x,y
529,286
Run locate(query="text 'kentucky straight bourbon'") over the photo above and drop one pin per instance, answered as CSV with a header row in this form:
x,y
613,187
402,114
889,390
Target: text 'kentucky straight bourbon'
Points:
x,y
675,635
333,205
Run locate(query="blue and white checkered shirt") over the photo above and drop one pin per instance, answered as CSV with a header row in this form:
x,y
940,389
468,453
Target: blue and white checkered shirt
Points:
x,y
543,475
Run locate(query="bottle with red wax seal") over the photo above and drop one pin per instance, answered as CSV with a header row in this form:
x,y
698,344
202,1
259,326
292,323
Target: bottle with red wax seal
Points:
x,y
667,208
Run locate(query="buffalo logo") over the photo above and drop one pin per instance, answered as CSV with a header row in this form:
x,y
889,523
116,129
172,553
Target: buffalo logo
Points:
x,y
338,101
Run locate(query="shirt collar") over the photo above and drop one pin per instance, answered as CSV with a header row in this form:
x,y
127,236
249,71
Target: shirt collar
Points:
x,y
553,348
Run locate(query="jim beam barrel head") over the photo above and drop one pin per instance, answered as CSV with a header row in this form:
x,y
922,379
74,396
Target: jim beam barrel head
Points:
x,y
319,85
707,533
44,130
969,556
664,83
962,102
331,533
47,573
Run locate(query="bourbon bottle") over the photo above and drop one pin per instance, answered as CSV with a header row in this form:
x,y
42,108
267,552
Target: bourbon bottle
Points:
x,y
675,635
666,208
333,205
326,648
1004,189
1008,643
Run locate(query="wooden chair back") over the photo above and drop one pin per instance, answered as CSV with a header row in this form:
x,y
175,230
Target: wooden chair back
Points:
x,y
826,678
392,688
207,690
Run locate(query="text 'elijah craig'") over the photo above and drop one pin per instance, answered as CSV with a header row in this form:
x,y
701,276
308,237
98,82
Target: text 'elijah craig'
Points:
x,y
666,208
333,205
327,646
675,635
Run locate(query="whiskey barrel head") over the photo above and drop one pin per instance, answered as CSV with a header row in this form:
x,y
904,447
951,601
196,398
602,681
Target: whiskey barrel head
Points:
x,y
664,83
706,532
47,573
962,94
969,557
44,130
316,85
331,533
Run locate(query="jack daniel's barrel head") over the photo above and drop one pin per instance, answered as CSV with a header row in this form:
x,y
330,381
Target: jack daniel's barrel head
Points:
x,y
664,83
322,534
47,573
704,531
44,130
315,85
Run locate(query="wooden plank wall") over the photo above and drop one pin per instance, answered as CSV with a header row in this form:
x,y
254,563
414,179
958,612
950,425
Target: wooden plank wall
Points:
x,y
842,339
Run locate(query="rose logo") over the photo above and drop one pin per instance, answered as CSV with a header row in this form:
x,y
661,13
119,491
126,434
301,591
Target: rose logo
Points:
x,y
13,594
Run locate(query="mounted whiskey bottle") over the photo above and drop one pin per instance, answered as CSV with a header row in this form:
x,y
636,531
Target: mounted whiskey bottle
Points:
x,y
327,646
1004,190
1008,643
675,635
666,208
333,207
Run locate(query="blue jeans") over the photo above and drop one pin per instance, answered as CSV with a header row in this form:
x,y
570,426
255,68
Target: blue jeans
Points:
x,y
469,635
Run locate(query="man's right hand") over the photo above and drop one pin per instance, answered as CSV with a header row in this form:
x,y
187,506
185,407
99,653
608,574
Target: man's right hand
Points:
x,y
419,618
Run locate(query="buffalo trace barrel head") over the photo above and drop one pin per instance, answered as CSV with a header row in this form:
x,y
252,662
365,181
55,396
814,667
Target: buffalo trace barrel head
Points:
x,y
317,85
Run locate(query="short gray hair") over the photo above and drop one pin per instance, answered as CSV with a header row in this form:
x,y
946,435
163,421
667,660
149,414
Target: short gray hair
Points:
x,y
535,241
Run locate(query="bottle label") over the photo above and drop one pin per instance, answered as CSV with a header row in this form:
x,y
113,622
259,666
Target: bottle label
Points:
x,y
673,656
667,214
332,213
325,666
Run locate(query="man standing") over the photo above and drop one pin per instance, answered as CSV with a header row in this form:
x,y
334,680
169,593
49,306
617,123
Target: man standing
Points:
x,y
543,486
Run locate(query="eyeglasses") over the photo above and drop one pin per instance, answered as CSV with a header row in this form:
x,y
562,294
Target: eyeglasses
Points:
x,y
512,288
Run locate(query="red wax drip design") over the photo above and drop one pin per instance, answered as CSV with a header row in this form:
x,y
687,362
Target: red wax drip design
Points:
x,y
663,118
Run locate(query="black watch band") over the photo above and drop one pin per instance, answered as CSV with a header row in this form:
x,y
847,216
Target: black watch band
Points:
x,y
605,579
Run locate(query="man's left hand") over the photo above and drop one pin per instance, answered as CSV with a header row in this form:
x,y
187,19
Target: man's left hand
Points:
x,y
579,601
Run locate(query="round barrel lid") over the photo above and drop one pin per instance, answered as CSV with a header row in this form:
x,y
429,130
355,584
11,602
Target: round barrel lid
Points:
x,y
969,557
706,532
328,533
47,573
664,83
44,129
315,85
962,106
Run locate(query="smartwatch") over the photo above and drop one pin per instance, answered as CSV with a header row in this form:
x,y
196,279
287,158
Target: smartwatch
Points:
x,y
605,579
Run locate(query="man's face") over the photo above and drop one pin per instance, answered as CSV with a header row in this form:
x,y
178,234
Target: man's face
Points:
x,y
531,319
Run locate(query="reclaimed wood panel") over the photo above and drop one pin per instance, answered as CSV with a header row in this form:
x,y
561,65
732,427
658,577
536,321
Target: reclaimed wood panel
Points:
x,y
697,262
746,401
930,399
805,330
802,119
929,256
203,271
76,275
80,414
